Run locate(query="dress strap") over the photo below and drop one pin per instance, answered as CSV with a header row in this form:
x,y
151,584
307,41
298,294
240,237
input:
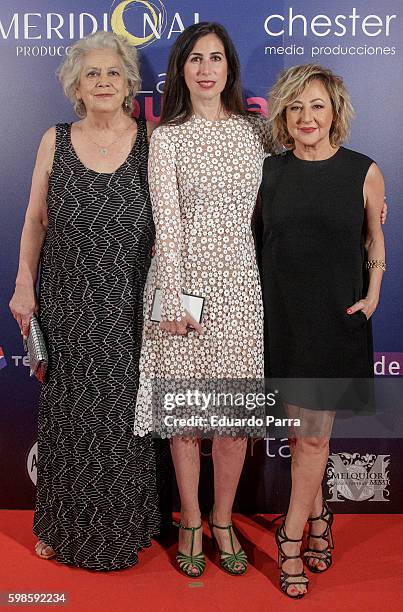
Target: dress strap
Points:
x,y
62,134
139,153
142,132
62,146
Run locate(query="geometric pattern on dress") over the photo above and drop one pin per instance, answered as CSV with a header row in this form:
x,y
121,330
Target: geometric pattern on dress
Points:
x,y
97,503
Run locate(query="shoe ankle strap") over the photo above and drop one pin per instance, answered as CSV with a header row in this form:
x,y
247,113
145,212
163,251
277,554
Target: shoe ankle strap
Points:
x,y
180,526
325,515
210,519
322,536
284,536
221,527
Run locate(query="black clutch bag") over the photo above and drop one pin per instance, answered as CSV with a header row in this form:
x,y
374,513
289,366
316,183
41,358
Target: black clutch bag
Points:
x,y
36,348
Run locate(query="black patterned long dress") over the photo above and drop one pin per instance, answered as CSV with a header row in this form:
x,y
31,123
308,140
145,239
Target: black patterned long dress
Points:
x,y
96,493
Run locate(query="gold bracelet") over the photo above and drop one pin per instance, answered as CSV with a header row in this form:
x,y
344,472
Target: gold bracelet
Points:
x,y
376,263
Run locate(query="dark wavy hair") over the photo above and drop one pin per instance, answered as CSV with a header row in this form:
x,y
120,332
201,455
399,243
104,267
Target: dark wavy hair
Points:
x,y
176,104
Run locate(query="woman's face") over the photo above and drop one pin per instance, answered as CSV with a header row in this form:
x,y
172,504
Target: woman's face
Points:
x,y
103,85
206,69
310,116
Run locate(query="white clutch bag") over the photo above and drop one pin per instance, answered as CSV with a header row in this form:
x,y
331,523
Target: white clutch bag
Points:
x,y
192,303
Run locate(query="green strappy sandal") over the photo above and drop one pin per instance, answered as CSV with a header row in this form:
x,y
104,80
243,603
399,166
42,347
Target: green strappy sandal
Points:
x,y
187,562
229,560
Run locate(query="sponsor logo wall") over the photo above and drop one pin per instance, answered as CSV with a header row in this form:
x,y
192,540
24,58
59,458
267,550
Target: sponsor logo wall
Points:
x,y
359,39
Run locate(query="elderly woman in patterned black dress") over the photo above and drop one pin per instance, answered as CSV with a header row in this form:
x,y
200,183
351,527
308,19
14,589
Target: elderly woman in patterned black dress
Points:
x,y
89,225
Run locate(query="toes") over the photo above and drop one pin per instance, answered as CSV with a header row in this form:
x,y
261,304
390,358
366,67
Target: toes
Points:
x,y
43,549
296,590
314,562
39,547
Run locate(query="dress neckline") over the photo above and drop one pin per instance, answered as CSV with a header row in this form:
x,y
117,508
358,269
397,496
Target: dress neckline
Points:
x,y
213,121
315,161
104,173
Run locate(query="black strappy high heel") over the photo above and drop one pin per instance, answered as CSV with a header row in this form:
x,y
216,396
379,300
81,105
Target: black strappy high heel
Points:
x,y
324,555
288,580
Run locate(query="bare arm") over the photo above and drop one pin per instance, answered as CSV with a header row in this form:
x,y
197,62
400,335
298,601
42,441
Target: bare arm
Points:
x,y
164,194
374,193
23,303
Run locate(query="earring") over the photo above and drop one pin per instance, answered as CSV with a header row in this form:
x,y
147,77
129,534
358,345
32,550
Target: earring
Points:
x,y
128,102
80,107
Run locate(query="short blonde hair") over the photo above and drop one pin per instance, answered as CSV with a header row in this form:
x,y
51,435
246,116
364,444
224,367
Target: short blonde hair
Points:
x,y
291,84
70,70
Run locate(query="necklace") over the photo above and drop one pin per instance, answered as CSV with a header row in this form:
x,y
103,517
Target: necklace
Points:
x,y
104,150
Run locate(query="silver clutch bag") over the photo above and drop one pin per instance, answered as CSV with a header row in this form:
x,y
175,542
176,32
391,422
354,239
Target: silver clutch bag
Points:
x,y
194,304
36,348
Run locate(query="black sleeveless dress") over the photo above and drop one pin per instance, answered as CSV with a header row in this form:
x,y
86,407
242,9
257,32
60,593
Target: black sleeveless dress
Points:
x,y
96,492
312,261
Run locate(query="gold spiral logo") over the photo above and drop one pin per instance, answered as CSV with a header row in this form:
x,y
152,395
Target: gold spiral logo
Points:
x,y
157,17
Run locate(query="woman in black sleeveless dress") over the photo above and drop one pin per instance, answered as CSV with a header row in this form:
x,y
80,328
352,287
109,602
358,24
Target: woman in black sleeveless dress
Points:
x,y
320,210
90,214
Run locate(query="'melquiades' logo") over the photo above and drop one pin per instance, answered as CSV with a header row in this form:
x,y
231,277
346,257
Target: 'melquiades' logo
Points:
x,y
358,477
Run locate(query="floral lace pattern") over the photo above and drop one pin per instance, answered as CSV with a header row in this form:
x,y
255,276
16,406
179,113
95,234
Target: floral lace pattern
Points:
x,y
204,178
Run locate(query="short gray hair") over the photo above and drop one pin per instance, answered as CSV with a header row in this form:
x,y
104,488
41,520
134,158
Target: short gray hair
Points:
x,y
70,70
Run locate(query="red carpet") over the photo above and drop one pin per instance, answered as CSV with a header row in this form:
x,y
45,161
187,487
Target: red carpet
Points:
x,y
367,575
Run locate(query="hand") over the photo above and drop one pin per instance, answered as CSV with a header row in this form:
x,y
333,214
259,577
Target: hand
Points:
x,y
181,328
23,305
153,248
384,212
40,373
366,305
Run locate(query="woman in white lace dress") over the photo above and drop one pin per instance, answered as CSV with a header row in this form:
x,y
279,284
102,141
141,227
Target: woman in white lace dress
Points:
x,y
205,169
